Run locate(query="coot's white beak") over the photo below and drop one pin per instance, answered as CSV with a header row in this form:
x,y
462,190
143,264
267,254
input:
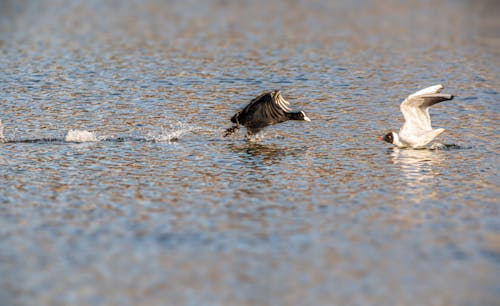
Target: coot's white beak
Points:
x,y
306,118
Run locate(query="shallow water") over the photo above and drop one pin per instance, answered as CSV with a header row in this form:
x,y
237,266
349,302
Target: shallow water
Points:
x,y
133,197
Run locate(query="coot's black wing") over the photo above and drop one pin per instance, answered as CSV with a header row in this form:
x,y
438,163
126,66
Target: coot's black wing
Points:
x,y
266,109
247,115
270,112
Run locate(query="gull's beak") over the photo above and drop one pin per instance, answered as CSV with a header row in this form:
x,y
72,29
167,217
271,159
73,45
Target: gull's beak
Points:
x,y
380,138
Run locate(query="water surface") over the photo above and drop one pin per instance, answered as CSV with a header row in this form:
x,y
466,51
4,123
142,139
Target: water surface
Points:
x,y
158,208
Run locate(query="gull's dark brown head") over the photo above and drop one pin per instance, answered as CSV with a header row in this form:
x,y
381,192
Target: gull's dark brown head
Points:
x,y
389,137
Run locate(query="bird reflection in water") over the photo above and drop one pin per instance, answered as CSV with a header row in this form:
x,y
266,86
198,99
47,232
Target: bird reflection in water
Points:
x,y
419,173
418,166
422,164
266,153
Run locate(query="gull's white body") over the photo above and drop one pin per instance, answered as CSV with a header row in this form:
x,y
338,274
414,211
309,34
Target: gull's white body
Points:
x,y
417,130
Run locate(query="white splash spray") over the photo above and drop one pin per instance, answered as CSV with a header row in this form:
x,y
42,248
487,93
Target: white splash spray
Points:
x,y
255,137
80,136
2,138
173,133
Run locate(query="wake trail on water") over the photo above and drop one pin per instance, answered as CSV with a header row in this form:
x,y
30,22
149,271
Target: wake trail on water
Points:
x,y
169,134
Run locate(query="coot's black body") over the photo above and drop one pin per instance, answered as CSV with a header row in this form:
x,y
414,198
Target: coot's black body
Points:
x,y
267,109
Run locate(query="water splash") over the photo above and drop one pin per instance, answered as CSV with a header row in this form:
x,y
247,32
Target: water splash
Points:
x,y
445,146
80,136
262,135
255,137
173,132
2,138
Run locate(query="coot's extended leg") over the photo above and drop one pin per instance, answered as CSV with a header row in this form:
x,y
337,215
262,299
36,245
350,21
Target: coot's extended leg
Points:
x,y
234,128
231,130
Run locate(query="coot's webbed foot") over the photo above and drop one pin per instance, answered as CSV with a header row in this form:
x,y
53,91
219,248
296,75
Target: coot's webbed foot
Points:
x,y
231,130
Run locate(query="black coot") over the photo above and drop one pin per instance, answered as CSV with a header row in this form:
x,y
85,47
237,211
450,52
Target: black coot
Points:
x,y
266,109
